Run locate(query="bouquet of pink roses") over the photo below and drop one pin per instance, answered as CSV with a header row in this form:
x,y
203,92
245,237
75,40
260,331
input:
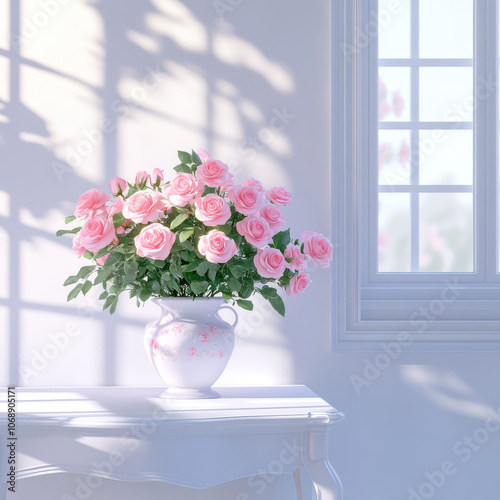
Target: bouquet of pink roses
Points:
x,y
198,235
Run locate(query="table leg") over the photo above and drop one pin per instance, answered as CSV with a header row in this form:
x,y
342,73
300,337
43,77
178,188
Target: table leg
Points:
x,y
315,459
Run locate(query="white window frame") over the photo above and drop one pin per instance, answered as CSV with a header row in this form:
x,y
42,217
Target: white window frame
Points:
x,y
420,311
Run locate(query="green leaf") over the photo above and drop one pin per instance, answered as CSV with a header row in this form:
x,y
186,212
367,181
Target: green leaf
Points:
x,y
184,157
68,231
160,264
74,293
102,275
71,280
166,277
245,304
226,295
103,295
110,300
88,255
234,284
226,228
212,273
237,271
185,235
195,158
84,272
112,309
118,220
182,168
156,287
278,305
282,239
113,258
203,267
192,266
101,253
131,268
144,294
69,219
246,291
86,287
268,292
178,220
199,287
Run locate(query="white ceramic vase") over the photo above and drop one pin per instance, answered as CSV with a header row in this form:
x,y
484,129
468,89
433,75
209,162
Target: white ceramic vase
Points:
x,y
190,345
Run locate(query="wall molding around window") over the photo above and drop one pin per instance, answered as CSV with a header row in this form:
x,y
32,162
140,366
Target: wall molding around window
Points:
x,y
421,311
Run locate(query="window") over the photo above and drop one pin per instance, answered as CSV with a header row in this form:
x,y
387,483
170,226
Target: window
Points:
x,y
415,174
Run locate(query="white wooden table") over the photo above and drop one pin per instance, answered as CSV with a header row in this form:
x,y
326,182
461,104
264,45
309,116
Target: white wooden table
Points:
x,y
130,434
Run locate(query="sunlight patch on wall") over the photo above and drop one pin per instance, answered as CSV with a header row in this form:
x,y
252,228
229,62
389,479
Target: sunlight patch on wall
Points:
x,y
145,42
235,51
40,283
226,120
4,80
4,345
5,31
172,116
446,390
53,344
178,24
4,263
50,221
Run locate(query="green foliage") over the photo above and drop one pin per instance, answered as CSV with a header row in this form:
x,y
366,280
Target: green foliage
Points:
x,y
185,272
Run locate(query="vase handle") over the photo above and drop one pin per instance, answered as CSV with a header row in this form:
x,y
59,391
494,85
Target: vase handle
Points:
x,y
232,310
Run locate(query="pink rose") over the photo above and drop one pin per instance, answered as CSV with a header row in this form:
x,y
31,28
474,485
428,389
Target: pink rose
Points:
x,y
116,207
141,177
191,351
256,231
143,207
217,247
317,248
91,203
212,210
246,199
298,284
270,263
279,196
253,182
156,177
77,245
183,189
293,252
154,241
102,260
97,233
204,156
118,185
213,173
274,217
228,185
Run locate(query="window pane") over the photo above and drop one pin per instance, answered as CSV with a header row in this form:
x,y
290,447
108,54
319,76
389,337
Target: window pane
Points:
x,y
446,94
394,157
394,94
446,28
446,157
446,232
394,29
394,232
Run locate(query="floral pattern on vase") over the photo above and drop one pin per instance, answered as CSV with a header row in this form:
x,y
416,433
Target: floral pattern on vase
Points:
x,y
190,345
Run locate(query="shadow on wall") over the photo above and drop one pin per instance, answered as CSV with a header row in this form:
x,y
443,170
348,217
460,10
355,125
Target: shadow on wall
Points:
x,y
154,60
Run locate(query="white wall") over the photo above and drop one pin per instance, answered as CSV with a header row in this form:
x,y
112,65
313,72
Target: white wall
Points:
x,y
167,75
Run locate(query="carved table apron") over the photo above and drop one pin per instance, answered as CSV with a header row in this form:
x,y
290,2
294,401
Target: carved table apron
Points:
x,y
130,434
